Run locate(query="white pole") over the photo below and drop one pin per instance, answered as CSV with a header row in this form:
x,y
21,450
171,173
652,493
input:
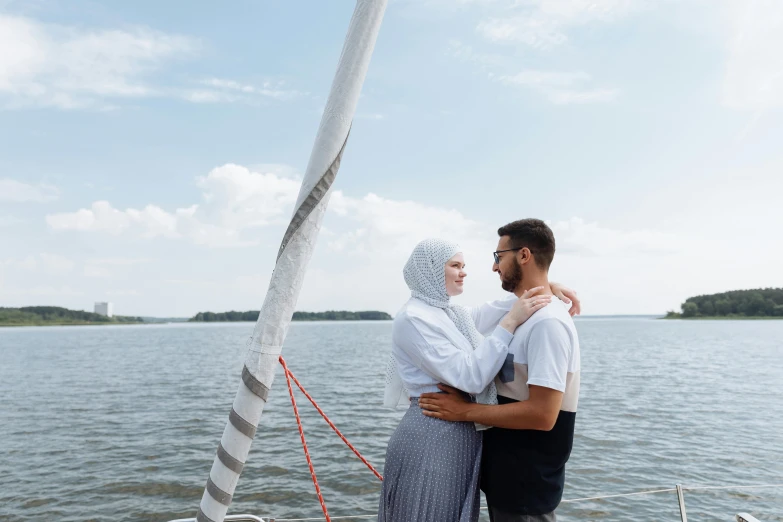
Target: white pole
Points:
x,y
292,259
681,502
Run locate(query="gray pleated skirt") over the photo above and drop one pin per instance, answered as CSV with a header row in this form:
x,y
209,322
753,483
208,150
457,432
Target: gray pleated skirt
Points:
x,y
432,471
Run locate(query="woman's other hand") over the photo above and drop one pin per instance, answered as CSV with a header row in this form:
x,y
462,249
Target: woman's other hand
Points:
x,y
524,307
568,296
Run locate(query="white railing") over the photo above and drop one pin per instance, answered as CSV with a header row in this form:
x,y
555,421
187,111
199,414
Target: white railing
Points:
x,y
679,489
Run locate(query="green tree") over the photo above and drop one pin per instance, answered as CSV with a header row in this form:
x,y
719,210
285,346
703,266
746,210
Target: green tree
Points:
x,y
756,305
760,302
330,315
706,307
723,307
690,309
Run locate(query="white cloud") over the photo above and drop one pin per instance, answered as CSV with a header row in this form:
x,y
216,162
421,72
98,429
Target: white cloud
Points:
x,y
467,53
370,116
44,263
234,199
9,221
29,263
560,88
43,292
123,293
209,96
46,65
567,96
16,191
376,247
387,225
530,30
752,31
371,238
544,24
220,90
359,261
56,264
546,79
101,216
577,237
281,170
108,267
754,68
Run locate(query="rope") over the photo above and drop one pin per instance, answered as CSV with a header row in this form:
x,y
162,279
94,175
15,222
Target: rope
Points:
x,y
289,376
669,490
304,442
694,488
321,518
329,422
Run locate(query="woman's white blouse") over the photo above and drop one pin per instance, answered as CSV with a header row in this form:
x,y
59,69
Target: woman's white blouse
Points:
x,y
430,349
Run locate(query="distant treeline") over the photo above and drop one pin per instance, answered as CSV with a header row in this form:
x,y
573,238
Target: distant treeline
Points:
x,y
50,315
332,315
763,302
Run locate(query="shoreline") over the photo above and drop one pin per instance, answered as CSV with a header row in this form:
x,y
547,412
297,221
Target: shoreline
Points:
x,y
153,323
17,325
727,318
701,318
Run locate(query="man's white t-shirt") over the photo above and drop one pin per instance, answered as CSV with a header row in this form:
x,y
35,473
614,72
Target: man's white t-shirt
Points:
x,y
523,471
545,350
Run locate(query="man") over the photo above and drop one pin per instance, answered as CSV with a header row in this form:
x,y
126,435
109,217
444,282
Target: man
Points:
x,y
524,456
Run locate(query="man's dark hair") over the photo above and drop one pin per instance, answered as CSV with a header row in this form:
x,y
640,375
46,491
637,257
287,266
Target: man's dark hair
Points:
x,y
533,234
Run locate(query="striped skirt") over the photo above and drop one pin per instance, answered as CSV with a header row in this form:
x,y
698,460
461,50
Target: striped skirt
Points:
x,y
432,471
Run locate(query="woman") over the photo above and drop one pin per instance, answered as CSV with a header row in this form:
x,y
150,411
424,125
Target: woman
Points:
x,y
432,466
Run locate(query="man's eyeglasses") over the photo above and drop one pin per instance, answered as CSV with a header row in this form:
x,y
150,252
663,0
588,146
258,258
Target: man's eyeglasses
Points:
x,y
497,257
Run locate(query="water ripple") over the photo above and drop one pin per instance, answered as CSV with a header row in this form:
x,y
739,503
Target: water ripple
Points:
x,y
122,423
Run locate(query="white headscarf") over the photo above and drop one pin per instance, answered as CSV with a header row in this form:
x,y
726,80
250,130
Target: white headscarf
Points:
x,y
425,275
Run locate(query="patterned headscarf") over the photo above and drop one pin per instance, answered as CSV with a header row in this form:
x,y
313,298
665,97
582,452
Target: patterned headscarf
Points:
x,y
425,271
425,275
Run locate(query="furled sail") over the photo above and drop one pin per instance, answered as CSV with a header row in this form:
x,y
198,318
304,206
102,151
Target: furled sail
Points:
x,y
292,259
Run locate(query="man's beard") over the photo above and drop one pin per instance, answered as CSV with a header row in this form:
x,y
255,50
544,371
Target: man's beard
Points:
x,y
511,278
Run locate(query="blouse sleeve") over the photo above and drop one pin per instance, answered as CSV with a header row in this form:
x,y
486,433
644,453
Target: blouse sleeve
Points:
x,y
487,316
431,351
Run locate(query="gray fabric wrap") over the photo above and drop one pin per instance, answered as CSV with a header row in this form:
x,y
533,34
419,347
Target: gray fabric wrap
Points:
x,y
217,493
254,385
313,198
201,517
241,424
229,461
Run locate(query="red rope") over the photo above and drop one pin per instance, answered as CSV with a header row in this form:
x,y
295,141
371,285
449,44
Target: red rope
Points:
x,y
329,422
302,436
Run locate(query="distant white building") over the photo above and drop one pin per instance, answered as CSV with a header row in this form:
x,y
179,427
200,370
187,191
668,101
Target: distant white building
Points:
x,y
104,309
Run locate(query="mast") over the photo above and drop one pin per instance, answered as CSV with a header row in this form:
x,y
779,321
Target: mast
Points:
x,y
295,252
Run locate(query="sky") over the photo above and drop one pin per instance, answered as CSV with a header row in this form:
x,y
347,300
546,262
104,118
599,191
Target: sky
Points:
x,y
151,152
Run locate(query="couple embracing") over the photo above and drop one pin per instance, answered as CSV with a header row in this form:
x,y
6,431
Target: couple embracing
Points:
x,y
493,390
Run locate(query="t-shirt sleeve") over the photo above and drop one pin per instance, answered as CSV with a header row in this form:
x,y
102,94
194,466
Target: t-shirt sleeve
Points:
x,y
549,349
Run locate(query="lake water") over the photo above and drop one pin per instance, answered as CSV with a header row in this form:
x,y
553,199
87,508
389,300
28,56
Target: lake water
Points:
x,y
122,422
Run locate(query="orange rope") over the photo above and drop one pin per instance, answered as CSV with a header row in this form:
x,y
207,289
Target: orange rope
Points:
x,y
302,436
329,422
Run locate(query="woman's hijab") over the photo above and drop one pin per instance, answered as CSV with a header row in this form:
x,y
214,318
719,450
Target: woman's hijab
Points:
x,y
425,275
